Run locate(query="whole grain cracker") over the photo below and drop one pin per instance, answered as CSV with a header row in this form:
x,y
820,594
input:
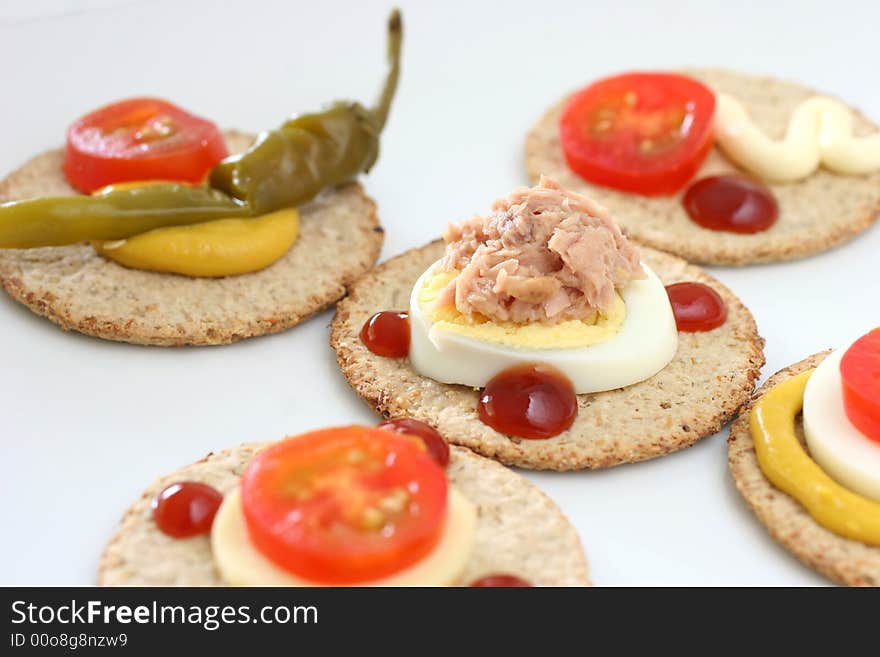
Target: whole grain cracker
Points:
x,y
520,531
340,238
843,560
712,375
815,214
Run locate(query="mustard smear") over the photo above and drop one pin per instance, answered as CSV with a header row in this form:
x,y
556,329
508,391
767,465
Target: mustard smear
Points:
x,y
225,247
788,466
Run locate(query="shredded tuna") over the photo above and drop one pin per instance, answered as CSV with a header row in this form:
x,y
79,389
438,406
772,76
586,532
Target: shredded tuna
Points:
x,y
543,254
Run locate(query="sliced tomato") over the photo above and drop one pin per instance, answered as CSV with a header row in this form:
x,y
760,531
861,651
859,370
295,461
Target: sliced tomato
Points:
x,y
640,132
140,139
860,375
345,505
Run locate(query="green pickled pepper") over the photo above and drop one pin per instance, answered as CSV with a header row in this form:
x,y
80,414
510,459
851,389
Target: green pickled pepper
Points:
x,y
285,167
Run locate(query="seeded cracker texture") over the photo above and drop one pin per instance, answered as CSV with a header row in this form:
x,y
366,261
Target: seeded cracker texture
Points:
x,y
843,560
340,238
815,214
711,376
520,531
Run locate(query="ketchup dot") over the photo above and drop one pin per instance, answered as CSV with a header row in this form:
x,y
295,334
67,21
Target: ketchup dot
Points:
x,y
529,401
186,509
696,307
732,204
387,334
500,580
434,443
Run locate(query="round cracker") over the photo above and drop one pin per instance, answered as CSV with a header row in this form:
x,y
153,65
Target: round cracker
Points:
x,y
712,375
340,238
520,530
815,214
843,560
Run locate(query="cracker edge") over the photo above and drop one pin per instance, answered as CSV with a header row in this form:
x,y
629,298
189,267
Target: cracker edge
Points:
x,y
461,452
381,404
742,459
46,304
793,250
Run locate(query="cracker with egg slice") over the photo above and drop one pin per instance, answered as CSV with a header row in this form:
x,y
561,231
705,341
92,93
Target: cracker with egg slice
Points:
x,y
711,376
841,559
520,531
73,286
815,214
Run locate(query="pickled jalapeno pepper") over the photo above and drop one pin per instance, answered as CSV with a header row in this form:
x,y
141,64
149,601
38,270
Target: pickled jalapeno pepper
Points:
x,y
285,167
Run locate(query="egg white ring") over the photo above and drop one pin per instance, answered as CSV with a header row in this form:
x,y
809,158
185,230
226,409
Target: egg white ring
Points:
x,y
846,454
648,330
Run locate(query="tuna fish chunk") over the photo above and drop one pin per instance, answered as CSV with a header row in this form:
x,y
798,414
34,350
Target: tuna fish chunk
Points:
x,y
544,254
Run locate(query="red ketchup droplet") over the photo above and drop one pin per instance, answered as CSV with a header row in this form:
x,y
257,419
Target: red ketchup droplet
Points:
x,y
696,307
434,443
529,401
500,580
732,204
186,509
387,334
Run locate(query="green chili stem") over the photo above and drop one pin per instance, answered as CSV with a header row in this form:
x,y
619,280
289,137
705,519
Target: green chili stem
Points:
x,y
395,38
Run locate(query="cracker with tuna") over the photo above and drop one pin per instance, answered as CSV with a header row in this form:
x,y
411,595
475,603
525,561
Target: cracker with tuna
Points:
x,y
843,560
815,214
74,287
711,376
520,531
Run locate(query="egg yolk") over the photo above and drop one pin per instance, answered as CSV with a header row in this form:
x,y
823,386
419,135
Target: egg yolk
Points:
x,y
569,334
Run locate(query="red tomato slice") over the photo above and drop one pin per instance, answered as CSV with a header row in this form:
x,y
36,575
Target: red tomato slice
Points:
x,y
640,132
860,375
345,505
140,139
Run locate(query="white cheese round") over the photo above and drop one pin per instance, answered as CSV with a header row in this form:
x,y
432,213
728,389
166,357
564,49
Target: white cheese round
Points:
x,y
240,563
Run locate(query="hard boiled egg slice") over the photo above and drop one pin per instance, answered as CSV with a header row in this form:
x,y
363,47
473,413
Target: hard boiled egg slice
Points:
x,y
634,341
844,452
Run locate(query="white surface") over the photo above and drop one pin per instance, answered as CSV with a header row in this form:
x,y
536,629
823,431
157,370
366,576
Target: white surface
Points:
x,y
88,424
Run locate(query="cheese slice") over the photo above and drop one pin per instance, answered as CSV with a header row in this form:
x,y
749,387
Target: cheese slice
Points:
x,y
240,563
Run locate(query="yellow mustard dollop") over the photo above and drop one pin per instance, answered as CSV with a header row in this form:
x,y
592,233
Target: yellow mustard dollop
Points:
x,y
788,466
564,335
225,247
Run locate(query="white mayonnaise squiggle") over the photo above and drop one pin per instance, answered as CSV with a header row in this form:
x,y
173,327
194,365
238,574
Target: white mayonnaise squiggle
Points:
x,y
819,133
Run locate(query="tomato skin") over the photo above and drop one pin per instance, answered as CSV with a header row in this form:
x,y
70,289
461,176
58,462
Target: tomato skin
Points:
x,y
860,376
646,133
434,443
140,139
186,509
310,504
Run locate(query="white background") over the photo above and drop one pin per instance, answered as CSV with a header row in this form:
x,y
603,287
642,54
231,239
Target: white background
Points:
x,y
87,424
